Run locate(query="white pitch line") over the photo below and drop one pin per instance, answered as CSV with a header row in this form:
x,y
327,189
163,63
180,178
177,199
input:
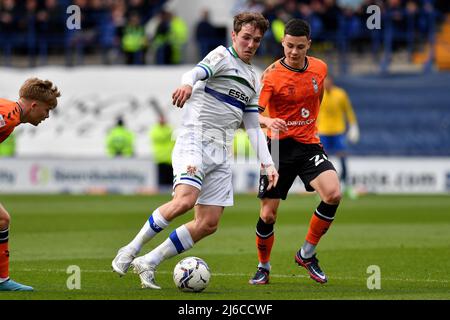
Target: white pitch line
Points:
x,y
242,275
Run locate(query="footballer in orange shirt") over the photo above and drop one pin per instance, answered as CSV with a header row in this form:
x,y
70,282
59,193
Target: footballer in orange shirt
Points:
x,y
36,99
291,93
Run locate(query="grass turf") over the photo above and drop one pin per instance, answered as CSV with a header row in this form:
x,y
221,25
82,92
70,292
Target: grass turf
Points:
x,y
408,237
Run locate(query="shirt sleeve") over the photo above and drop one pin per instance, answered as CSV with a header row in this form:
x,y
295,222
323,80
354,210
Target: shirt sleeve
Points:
x,y
253,105
265,92
192,76
214,62
257,137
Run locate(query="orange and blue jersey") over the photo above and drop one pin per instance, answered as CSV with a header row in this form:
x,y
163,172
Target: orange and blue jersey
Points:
x,y
294,95
10,115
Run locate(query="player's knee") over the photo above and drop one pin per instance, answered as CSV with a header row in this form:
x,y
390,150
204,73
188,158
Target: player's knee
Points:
x,y
332,197
268,215
183,204
5,220
208,228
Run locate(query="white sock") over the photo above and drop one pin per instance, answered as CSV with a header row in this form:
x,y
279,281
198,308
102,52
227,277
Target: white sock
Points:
x,y
179,240
3,279
155,224
264,265
307,250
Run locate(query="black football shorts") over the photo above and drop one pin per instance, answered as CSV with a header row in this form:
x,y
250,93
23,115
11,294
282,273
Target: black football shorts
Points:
x,y
306,161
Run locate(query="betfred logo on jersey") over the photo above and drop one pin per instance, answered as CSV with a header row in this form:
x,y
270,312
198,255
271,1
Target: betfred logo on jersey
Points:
x,y
2,121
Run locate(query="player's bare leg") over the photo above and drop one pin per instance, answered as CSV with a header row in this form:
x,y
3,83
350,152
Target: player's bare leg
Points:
x,y
206,221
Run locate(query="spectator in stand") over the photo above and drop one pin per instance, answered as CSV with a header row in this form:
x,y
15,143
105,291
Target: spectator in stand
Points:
x,y
9,18
205,34
134,41
50,27
170,36
77,40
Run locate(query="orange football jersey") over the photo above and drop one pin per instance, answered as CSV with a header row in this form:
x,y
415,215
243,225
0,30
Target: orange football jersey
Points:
x,y
294,95
10,113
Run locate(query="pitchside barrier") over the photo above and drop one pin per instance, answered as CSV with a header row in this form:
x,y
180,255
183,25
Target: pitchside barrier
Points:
x,y
367,174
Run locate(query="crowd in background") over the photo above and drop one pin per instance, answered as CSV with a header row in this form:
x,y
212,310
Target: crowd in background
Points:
x,y
344,22
38,27
125,31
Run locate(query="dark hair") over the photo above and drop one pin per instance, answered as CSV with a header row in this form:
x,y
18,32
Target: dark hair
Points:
x,y
298,28
254,18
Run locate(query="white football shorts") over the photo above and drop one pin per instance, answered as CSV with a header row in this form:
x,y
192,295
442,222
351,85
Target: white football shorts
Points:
x,y
204,165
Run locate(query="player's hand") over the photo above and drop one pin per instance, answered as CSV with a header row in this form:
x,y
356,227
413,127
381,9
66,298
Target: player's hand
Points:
x,y
181,94
353,134
276,124
272,175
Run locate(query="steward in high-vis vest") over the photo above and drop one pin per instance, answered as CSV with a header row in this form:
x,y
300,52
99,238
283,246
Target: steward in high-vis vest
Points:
x,y
120,141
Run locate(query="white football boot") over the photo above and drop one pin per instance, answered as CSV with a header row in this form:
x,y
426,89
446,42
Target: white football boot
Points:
x,y
146,272
123,259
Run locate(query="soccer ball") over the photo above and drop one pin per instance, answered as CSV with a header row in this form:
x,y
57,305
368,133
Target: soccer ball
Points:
x,y
191,274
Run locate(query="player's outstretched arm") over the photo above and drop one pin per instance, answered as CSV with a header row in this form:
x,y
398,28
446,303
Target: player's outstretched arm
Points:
x,y
188,80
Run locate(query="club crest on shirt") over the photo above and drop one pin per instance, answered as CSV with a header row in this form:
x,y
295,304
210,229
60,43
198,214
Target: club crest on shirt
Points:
x,y
315,85
305,113
215,58
191,170
2,121
291,90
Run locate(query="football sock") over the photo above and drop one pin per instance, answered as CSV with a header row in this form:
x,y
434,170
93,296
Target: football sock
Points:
x,y
264,266
179,240
320,222
264,241
155,224
4,255
307,250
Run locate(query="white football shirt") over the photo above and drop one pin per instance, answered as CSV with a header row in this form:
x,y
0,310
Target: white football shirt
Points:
x,y
217,104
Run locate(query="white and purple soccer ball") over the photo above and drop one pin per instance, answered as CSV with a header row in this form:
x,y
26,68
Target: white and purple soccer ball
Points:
x,y
191,274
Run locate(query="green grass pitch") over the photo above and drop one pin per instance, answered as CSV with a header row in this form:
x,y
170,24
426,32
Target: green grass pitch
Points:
x,y
407,237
